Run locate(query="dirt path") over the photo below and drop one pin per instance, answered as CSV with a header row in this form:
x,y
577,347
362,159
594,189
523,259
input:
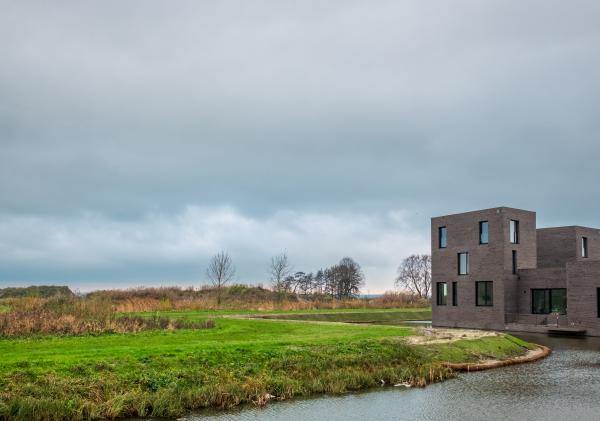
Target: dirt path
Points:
x,y
440,335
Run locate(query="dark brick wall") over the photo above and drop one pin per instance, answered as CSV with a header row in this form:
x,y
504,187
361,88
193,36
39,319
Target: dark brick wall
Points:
x,y
582,280
537,278
556,246
488,262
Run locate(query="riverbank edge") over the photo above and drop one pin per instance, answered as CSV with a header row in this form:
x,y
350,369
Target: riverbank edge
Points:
x,y
293,371
531,356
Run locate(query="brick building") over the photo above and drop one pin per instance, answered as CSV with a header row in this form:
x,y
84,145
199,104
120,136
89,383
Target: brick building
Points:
x,y
492,269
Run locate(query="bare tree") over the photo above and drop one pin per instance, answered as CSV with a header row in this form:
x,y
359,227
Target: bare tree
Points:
x,y
348,278
220,272
279,269
414,274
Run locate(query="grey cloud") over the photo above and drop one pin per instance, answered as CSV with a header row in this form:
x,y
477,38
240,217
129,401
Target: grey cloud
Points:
x,y
126,110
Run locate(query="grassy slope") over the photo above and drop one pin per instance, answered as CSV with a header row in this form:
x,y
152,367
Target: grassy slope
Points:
x,y
169,373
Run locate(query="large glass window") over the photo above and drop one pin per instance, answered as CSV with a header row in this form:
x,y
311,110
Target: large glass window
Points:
x,y
442,293
463,263
483,232
454,294
514,231
443,237
549,300
484,293
584,247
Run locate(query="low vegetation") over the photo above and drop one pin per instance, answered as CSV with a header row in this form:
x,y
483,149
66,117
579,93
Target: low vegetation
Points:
x,y
70,315
41,291
169,373
163,352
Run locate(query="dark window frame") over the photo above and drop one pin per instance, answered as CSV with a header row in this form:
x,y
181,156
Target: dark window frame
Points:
x,y
584,247
489,289
513,234
487,232
547,291
454,294
467,263
441,299
445,237
514,262
598,301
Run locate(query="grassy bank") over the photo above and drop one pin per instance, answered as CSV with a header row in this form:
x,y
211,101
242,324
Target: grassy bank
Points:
x,y
168,373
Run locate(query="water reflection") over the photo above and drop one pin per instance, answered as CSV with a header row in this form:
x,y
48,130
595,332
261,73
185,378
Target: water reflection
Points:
x,y
565,385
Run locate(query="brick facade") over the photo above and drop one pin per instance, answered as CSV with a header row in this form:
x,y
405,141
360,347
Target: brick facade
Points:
x,y
546,258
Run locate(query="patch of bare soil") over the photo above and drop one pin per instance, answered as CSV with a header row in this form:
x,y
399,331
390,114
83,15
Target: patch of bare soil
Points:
x,y
434,335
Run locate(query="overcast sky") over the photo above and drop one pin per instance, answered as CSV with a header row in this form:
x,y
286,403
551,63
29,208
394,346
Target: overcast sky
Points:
x,y
138,138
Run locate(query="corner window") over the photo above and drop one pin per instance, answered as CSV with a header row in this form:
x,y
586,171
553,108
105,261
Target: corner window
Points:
x,y
442,293
442,237
514,231
584,247
483,232
454,294
484,294
514,262
463,263
548,300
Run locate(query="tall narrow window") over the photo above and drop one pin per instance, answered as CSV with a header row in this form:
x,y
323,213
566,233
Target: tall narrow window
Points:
x,y
514,231
442,293
463,263
454,294
484,294
483,232
584,247
443,237
598,301
514,262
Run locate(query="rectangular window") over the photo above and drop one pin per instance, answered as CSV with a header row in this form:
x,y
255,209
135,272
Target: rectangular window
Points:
x,y
549,300
442,237
584,247
463,263
454,294
514,231
484,293
483,232
598,300
442,293
514,262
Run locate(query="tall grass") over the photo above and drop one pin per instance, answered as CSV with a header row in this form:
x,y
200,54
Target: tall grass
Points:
x,y
79,316
243,297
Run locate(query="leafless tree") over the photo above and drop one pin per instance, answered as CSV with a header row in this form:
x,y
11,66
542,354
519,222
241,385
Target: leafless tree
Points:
x,y
279,269
345,279
414,274
220,272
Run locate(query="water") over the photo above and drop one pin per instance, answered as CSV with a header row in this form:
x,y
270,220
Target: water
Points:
x,y
566,385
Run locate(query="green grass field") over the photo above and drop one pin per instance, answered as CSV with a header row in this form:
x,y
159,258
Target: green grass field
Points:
x,y
168,373
386,316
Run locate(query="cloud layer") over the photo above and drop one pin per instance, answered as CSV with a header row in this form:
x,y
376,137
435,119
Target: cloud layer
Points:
x,y
130,117
94,252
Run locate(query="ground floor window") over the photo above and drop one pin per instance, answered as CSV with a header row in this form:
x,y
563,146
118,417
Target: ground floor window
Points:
x,y
454,294
484,293
442,293
549,300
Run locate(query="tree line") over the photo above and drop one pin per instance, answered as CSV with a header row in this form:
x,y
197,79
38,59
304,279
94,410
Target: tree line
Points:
x,y
341,281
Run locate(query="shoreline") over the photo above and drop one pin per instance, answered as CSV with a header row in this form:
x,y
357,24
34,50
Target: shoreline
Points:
x,y
532,355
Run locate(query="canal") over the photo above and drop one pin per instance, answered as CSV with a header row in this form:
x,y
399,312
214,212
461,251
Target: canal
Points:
x,y
564,386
